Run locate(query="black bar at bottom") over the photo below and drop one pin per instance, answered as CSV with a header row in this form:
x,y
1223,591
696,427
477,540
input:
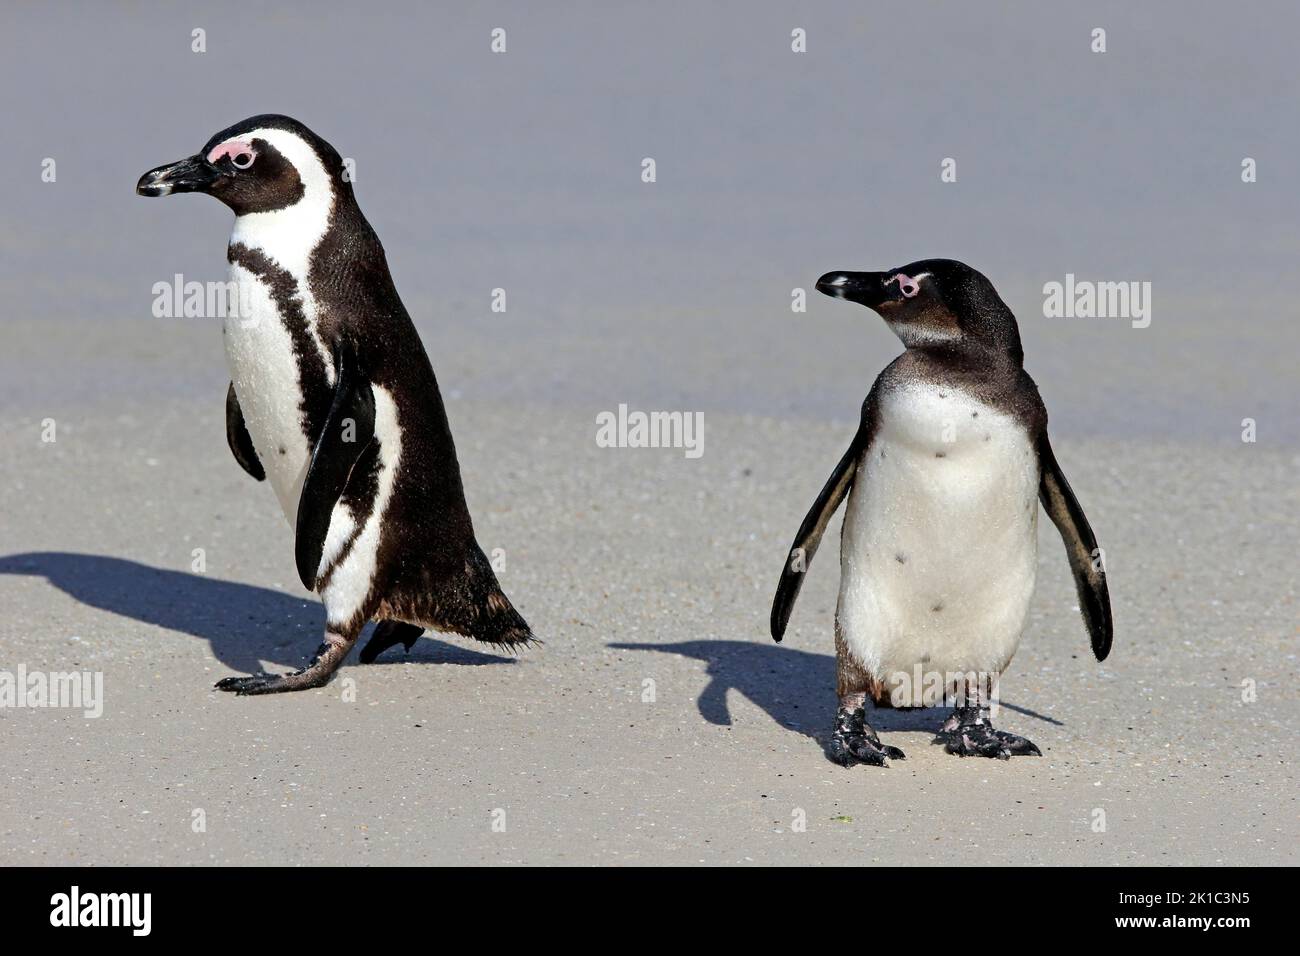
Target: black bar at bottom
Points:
x,y
336,905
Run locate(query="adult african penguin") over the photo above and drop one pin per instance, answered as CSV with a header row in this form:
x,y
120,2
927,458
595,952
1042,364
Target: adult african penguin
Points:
x,y
333,401
939,543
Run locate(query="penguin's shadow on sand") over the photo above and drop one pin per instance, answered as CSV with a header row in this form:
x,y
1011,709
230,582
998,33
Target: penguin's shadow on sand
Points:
x,y
243,624
795,688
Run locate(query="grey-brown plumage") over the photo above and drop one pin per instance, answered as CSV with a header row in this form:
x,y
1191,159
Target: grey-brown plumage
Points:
x,y
963,358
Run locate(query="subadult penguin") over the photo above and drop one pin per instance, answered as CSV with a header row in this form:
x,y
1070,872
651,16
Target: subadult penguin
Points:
x,y
939,543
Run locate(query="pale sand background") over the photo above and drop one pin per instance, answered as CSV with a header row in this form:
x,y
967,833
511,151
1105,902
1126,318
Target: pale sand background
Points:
x,y
631,565
522,171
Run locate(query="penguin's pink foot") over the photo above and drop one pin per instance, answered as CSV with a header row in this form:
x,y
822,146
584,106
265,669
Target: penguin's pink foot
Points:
x,y
968,733
853,739
317,673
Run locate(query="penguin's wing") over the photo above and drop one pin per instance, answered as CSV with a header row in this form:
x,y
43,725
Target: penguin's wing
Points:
x,y
800,555
237,437
349,429
1080,546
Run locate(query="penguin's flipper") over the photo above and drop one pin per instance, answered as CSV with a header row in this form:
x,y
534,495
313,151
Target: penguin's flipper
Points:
x,y
237,437
800,555
349,429
386,635
1080,546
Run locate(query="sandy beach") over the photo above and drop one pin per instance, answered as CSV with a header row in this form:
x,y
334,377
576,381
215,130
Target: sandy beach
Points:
x,y
634,566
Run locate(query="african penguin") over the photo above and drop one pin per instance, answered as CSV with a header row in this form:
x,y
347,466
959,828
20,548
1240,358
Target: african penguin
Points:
x,y
333,401
939,543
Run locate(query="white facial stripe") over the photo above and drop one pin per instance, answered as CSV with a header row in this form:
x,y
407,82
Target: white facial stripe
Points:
x,y
290,235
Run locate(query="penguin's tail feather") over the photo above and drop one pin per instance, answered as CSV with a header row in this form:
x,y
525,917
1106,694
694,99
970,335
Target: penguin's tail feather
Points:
x,y
492,619
466,601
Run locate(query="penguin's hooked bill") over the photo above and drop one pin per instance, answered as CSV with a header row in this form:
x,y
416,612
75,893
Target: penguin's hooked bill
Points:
x,y
871,289
194,174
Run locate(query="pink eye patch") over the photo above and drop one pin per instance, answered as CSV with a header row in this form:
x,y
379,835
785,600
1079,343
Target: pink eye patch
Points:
x,y
240,153
906,284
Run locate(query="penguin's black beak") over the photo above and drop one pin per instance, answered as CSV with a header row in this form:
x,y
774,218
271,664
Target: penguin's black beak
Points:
x,y
865,288
191,175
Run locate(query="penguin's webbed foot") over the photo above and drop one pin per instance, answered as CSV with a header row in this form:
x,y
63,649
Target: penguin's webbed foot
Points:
x,y
317,673
388,634
853,739
968,733
266,683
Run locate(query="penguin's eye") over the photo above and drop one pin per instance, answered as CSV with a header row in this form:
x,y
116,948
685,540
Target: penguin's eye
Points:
x,y
906,285
240,153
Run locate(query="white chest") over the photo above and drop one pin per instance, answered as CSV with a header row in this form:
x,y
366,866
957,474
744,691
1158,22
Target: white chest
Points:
x,y
264,369
940,535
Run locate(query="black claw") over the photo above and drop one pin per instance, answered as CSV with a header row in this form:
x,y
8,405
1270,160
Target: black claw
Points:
x,y
839,753
853,739
234,683
274,683
253,684
317,673
968,733
1020,746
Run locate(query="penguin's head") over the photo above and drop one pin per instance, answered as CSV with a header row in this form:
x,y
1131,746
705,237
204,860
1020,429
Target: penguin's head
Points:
x,y
262,164
930,302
